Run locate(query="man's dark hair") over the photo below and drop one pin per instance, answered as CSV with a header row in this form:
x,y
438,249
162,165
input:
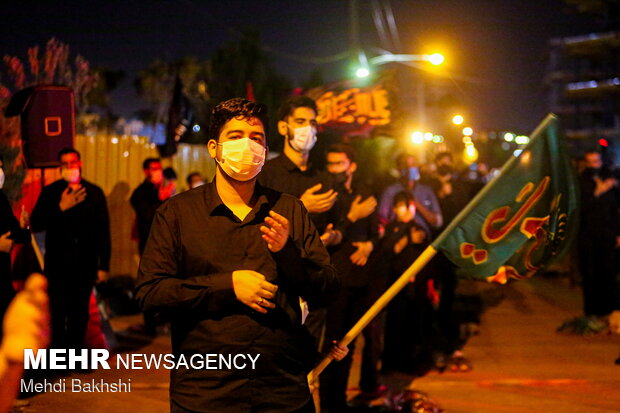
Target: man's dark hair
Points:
x,y
170,174
66,151
342,148
402,196
444,154
148,161
190,176
293,102
238,108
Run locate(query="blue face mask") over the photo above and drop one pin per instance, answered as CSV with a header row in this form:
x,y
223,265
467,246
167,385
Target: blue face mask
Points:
x,y
412,173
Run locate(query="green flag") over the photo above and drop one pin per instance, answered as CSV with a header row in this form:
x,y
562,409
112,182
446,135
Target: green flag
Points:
x,y
522,219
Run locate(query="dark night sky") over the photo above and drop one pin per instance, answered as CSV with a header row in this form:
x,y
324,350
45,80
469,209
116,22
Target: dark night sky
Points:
x,y
496,48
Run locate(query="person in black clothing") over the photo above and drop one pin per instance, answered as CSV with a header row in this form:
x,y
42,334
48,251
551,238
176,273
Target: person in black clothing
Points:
x,y
149,196
228,261
599,236
145,199
11,232
292,174
407,328
74,214
360,229
453,194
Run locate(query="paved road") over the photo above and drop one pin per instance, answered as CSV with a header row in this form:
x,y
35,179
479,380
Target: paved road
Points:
x,y
520,363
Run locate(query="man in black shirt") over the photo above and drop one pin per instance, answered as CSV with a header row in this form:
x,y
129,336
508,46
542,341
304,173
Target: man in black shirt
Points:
x,y
229,261
360,229
291,173
149,196
74,214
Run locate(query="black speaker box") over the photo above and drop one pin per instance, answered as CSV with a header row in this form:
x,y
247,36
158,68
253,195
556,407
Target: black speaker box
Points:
x,y
47,122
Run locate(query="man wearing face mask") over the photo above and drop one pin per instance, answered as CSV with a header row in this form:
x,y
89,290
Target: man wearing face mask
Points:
x,y
428,214
11,232
228,261
291,172
352,259
74,214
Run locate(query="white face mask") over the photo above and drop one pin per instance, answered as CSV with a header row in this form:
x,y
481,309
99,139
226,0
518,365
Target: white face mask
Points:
x,y
303,138
1,178
242,159
71,175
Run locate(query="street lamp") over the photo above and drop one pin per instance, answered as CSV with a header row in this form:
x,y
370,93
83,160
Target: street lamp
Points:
x,y
362,72
435,59
458,120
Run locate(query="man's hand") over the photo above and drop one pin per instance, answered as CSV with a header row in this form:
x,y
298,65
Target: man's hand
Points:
x,y
418,236
331,236
276,234
252,290
317,203
27,320
5,242
71,197
338,352
360,210
24,218
400,245
364,249
603,186
102,276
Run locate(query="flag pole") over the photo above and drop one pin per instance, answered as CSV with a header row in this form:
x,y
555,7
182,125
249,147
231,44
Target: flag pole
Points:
x,y
408,276
37,250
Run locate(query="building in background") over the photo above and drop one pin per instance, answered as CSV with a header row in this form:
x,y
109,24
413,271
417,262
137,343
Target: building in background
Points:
x,y
583,82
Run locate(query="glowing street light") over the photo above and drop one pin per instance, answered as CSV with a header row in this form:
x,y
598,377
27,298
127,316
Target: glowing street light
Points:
x,y
467,131
522,140
362,72
435,59
458,120
417,138
509,137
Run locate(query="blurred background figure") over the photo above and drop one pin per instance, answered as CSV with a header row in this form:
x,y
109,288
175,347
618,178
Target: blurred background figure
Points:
x,y
145,199
194,180
599,237
428,214
170,180
74,214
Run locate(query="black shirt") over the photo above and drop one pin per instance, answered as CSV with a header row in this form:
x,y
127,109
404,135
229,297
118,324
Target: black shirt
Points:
x,y
362,230
281,174
77,241
195,244
599,219
145,201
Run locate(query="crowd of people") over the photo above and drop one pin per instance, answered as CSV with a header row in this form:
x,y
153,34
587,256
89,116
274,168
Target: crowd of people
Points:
x,y
279,258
